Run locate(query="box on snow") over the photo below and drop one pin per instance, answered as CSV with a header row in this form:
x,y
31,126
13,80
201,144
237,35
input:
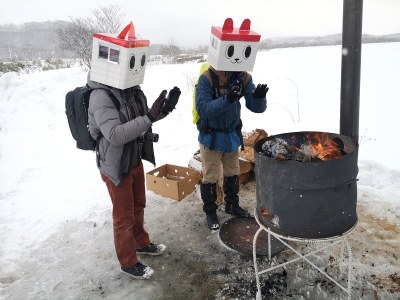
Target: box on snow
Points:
x,y
172,181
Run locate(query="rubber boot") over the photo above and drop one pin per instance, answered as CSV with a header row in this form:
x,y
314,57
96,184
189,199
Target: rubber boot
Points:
x,y
209,196
231,190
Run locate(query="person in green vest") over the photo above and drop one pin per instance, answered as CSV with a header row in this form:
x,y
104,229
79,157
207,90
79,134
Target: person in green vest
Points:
x,y
220,90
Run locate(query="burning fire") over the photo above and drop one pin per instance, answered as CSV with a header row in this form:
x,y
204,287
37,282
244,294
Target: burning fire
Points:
x,y
319,145
311,146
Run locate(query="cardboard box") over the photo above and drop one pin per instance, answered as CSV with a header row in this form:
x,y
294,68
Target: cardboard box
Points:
x,y
172,181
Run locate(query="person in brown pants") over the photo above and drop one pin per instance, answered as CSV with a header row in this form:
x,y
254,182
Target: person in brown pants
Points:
x,y
120,122
129,201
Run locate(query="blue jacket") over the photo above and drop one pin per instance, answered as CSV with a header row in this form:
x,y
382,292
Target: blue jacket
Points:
x,y
222,115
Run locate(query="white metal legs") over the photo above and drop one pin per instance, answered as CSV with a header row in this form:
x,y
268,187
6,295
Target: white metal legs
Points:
x,y
324,245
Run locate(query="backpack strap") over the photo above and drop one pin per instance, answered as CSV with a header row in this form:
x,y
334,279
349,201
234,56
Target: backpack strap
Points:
x,y
112,96
114,99
117,105
215,83
240,134
213,78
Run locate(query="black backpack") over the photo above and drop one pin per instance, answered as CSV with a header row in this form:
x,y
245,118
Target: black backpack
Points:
x,y
76,109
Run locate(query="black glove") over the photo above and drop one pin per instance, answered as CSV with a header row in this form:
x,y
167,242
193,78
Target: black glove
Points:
x,y
260,91
234,93
155,109
171,101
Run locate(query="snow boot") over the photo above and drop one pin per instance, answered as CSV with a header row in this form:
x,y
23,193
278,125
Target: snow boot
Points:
x,y
209,196
212,221
231,190
138,271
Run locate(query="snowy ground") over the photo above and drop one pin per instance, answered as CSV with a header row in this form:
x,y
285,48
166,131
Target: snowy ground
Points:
x,y
55,217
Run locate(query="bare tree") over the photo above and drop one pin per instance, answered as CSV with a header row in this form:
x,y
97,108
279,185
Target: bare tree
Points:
x,y
78,35
171,50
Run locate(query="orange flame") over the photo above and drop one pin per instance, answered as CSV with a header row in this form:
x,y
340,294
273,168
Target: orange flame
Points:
x,y
321,146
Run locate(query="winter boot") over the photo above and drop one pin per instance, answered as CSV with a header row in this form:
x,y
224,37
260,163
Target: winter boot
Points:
x,y
209,196
231,190
212,221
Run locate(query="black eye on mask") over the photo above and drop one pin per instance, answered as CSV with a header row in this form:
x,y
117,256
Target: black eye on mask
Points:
x,y
229,51
143,60
132,62
247,52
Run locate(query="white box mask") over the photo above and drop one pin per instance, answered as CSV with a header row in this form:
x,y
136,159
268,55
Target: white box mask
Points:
x,y
233,49
119,60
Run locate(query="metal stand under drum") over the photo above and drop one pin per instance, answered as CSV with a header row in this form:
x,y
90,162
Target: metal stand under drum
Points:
x,y
329,242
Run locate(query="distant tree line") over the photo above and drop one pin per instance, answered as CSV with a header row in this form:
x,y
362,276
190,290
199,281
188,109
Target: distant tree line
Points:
x,y
54,40
328,40
30,41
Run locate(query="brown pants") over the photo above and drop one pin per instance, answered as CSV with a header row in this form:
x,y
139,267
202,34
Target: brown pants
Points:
x,y
211,164
129,201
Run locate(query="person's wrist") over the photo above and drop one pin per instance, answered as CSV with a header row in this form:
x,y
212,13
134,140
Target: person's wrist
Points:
x,y
151,117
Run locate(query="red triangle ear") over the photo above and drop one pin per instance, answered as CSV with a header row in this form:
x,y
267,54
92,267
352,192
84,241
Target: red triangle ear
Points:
x,y
128,29
228,25
245,25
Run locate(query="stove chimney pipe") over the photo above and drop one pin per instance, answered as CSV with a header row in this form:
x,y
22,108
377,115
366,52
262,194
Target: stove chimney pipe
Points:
x,y
351,66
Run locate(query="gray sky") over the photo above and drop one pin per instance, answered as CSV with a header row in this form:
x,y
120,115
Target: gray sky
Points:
x,y
188,22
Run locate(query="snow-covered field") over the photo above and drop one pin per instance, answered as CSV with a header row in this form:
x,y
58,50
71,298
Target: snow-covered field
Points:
x,y
55,217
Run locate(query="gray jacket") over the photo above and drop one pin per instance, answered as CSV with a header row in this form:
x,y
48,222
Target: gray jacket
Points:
x,y
114,134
